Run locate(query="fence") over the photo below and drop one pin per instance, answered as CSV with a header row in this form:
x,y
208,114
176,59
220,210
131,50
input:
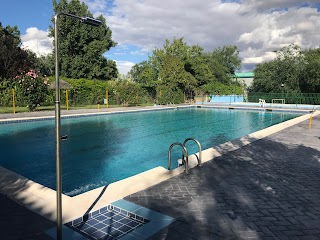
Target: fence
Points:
x,y
12,101
288,98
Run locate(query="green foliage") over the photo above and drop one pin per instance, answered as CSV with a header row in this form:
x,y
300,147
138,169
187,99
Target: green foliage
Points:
x,y
310,76
92,92
218,88
174,75
166,95
183,68
82,46
13,59
5,93
86,92
223,62
45,65
292,71
129,93
31,89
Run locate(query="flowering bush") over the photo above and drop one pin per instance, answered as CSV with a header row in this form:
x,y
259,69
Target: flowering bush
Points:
x,y
32,88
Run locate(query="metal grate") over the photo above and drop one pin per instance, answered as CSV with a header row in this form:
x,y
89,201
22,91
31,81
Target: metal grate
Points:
x,y
109,222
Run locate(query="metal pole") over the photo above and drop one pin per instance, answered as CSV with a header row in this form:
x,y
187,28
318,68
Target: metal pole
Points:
x,y
58,130
234,96
13,101
67,100
92,22
107,99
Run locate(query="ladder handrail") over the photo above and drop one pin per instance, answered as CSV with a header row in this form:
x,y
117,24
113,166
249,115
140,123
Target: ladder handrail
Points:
x,y
184,151
200,149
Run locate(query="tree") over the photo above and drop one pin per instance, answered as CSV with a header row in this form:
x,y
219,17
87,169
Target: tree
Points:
x,y
145,74
81,46
45,65
174,75
13,59
178,69
283,72
197,65
224,62
310,75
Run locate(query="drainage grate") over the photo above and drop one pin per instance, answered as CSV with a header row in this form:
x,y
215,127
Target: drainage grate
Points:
x,y
109,222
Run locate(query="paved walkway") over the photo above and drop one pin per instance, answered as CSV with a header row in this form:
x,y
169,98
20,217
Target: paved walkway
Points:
x,y
76,111
269,189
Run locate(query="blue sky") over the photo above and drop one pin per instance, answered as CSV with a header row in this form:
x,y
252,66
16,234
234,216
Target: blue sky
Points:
x,y
38,14
257,27
25,14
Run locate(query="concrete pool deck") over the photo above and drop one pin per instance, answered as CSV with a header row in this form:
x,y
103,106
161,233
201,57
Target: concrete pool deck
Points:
x,y
170,187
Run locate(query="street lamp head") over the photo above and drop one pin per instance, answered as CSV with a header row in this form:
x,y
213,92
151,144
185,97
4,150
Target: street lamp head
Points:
x,y
91,21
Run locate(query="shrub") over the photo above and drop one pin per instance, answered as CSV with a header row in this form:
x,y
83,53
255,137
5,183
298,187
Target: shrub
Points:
x,y
130,93
166,95
31,89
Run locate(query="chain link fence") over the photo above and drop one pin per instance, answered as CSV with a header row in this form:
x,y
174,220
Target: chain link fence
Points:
x,y
288,98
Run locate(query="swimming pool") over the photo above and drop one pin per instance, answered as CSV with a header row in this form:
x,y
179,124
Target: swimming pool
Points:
x,y
106,148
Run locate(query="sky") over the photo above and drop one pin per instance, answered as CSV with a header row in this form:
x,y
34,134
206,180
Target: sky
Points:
x,y
257,27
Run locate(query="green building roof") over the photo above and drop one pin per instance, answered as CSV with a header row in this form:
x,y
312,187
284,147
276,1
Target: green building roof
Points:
x,y
245,75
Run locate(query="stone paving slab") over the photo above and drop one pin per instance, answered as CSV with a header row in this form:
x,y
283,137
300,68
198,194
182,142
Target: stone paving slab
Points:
x,y
269,189
17,222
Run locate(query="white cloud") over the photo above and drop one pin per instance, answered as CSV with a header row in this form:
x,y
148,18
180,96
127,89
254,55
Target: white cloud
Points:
x,y
148,23
271,5
124,66
96,6
258,27
279,29
249,56
37,41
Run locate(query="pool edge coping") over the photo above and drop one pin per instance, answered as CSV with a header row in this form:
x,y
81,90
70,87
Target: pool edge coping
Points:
x,y
105,112
153,108
41,199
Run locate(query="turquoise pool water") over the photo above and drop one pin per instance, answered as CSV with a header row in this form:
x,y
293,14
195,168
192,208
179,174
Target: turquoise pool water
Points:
x,y
107,148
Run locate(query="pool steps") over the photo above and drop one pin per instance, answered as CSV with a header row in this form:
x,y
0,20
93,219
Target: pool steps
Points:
x,y
185,156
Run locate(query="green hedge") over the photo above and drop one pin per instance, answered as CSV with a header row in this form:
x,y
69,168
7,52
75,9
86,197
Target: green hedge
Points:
x,y
85,92
166,95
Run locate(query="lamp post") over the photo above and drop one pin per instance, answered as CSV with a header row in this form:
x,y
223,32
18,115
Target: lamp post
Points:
x,y
282,88
85,20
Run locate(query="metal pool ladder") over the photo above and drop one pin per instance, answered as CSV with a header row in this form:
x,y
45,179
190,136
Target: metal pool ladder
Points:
x,y
185,155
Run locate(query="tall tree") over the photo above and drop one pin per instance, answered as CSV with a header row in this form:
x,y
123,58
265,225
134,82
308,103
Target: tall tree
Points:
x,y
183,69
224,62
13,59
81,46
281,74
310,76
145,74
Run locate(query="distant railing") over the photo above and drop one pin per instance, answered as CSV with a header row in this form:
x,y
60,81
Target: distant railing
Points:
x,y
290,98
